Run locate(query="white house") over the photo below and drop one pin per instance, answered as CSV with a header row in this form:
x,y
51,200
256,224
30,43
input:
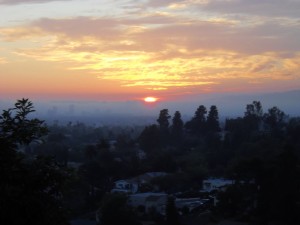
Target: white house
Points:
x,y
125,186
132,185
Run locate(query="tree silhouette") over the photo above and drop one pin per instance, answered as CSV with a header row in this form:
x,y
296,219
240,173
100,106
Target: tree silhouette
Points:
x,y
279,185
274,118
16,128
30,189
253,116
197,124
172,217
254,109
150,138
177,127
163,119
287,186
213,120
115,211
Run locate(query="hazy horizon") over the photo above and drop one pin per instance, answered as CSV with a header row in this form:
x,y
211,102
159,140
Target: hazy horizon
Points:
x,y
140,113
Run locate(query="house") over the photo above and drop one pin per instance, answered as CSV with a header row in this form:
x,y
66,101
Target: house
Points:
x,y
125,186
149,201
218,184
132,185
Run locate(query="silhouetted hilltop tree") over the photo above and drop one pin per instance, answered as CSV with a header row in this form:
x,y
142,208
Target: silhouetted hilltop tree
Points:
x,y
163,120
197,125
30,189
253,116
213,124
16,128
254,109
274,119
177,127
241,129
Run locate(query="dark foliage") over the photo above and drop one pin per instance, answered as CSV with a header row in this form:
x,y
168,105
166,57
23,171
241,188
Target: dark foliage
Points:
x,y
30,189
172,216
259,151
115,211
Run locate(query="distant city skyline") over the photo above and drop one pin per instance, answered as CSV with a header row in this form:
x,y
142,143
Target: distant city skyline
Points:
x,y
136,112
126,50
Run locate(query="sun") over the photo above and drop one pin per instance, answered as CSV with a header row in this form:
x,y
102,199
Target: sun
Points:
x,y
150,99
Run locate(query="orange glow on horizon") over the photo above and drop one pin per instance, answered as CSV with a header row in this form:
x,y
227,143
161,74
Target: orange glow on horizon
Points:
x,y
150,99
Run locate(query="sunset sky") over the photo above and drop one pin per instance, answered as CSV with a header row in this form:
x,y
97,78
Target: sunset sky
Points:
x,y
129,49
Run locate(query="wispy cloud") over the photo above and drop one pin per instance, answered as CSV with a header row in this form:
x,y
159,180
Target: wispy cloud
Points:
x,y
15,2
274,8
20,33
148,33
3,60
160,3
162,45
